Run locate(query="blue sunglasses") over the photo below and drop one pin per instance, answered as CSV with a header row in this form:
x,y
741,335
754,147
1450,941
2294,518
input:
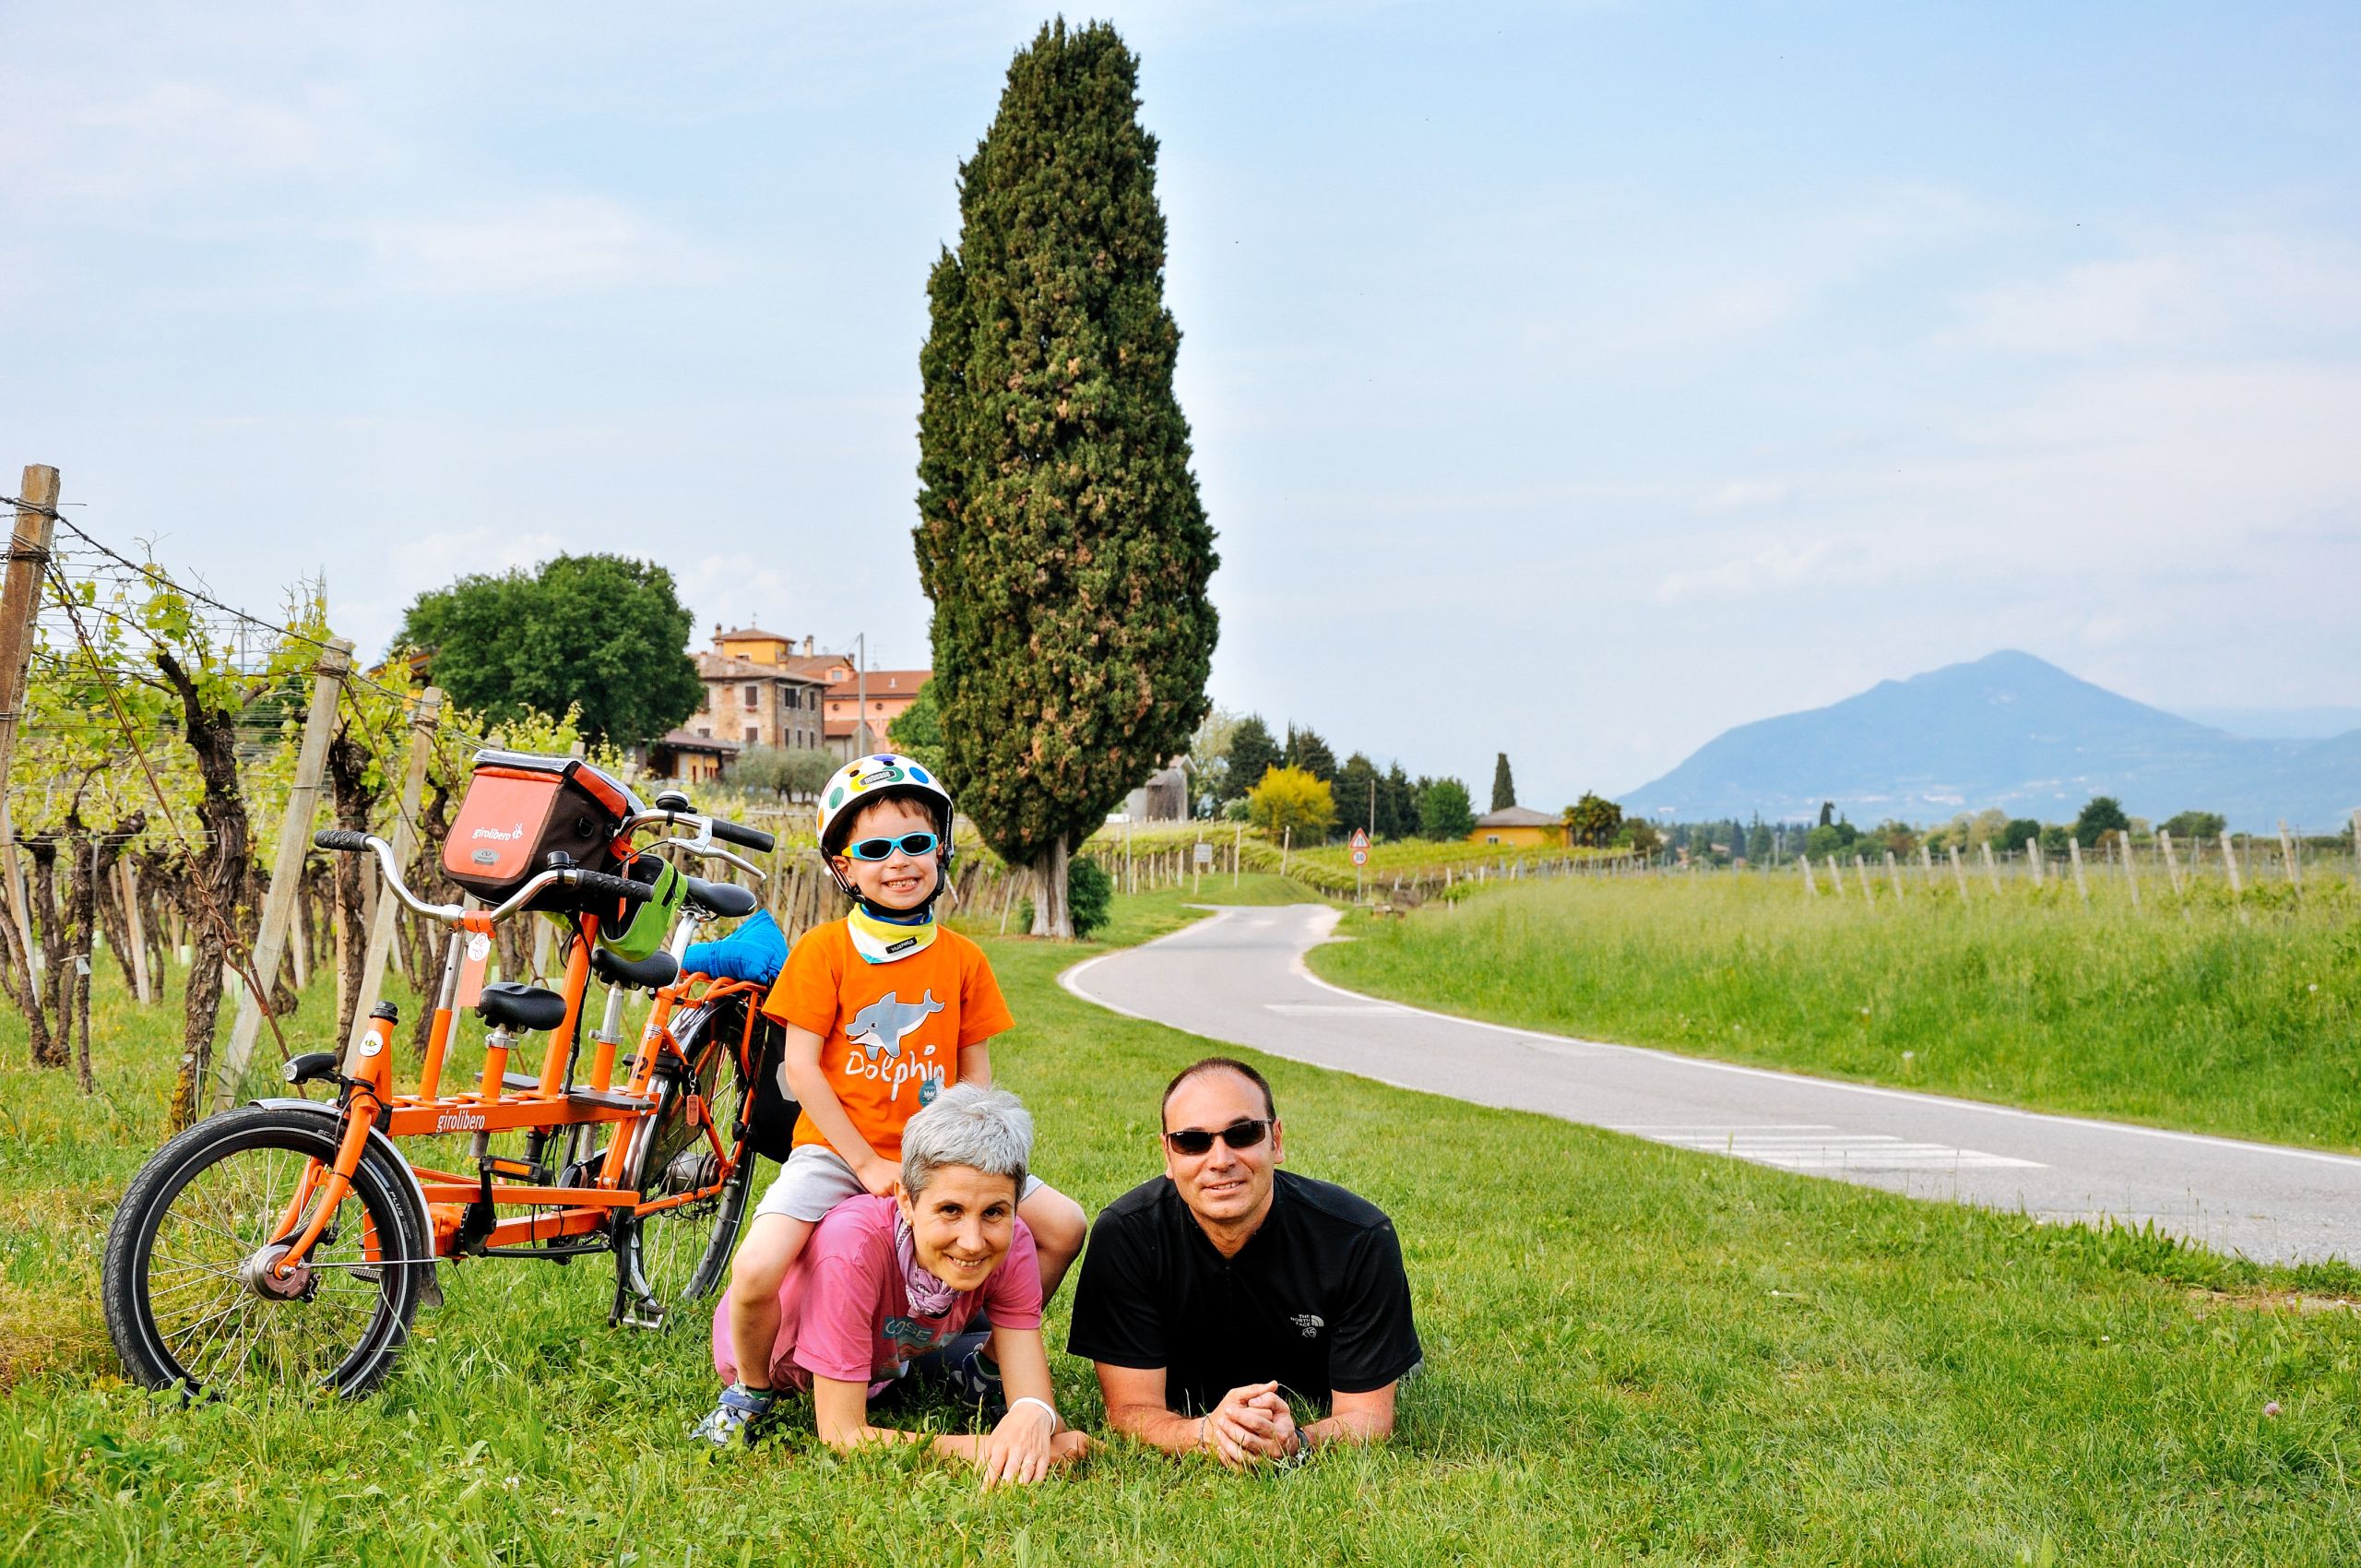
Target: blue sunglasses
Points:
x,y
911,844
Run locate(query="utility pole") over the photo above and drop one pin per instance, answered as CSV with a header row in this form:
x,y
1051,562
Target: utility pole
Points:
x,y
860,701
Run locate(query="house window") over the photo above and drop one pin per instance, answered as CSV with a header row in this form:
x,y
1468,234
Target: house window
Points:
x,y
705,732
752,734
753,697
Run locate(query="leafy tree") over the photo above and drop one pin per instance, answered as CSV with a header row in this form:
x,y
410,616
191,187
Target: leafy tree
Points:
x,y
2054,839
1307,751
602,631
1503,782
1639,834
1445,813
2188,825
1251,753
1828,813
2101,815
1209,755
1289,799
1593,819
1397,805
1357,787
2019,829
915,732
1758,842
791,770
1832,839
1059,532
1090,894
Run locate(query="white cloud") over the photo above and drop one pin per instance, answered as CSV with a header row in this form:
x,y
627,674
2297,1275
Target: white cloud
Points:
x,y
2204,293
1777,566
180,140
555,244
1743,494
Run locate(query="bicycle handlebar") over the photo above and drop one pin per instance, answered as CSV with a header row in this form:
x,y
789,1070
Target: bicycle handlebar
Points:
x,y
752,838
596,884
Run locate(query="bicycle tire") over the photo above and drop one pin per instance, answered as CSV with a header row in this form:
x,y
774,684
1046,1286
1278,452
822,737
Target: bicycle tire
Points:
x,y
176,1197
645,1245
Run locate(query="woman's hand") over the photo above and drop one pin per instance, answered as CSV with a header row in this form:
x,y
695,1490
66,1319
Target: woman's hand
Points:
x,y
880,1175
1020,1448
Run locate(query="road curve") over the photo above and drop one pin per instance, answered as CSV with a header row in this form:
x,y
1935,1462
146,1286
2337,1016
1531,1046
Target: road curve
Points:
x,y
1239,976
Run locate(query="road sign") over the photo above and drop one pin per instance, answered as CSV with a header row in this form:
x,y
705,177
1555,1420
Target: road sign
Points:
x,y
1360,847
1204,853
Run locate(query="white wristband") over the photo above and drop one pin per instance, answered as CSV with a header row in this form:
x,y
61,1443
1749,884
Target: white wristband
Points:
x,y
1055,1421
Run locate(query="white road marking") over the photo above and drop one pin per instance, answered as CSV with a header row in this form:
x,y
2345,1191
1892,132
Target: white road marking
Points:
x,y
1807,1147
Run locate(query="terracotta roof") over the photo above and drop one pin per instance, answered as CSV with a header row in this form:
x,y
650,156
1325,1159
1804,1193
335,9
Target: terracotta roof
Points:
x,y
756,632
1519,816
688,741
883,683
721,667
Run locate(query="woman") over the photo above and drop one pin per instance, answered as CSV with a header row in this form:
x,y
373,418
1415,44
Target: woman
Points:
x,y
884,1281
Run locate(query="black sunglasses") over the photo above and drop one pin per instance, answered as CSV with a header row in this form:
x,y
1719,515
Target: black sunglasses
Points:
x,y
1238,1135
911,844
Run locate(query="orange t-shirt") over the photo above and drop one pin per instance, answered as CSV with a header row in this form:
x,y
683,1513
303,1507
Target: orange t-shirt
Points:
x,y
890,1034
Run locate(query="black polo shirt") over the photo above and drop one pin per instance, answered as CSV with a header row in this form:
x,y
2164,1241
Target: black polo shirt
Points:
x,y
1316,1298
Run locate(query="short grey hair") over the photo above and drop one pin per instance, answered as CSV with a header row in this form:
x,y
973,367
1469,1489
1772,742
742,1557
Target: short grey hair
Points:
x,y
986,1130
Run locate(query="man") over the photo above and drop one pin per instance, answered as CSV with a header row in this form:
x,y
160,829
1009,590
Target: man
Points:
x,y
1215,1294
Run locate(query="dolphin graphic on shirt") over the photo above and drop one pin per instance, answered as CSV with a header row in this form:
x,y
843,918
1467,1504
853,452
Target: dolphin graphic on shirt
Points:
x,y
881,1026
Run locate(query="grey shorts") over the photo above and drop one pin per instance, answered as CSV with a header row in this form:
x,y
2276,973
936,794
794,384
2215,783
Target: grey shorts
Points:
x,y
815,1179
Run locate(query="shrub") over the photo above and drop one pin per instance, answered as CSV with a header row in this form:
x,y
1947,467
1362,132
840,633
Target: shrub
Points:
x,y
1090,894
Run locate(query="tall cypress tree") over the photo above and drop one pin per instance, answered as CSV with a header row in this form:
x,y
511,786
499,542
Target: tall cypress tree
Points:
x,y
1503,783
1060,533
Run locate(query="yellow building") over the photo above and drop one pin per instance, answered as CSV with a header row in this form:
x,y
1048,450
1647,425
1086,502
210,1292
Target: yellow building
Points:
x,y
1516,827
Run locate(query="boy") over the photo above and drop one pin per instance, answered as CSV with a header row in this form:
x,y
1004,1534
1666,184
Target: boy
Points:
x,y
884,1010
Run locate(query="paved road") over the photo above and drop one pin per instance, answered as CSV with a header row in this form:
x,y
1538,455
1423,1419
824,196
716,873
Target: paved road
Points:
x,y
1239,977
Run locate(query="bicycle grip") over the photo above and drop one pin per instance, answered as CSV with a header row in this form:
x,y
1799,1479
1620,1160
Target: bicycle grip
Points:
x,y
752,838
340,839
597,885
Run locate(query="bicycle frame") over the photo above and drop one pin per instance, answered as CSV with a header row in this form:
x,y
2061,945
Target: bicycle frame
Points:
x,y
462,1209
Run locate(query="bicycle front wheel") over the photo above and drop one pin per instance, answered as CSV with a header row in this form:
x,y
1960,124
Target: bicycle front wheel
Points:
x,y
192,1299
678,1253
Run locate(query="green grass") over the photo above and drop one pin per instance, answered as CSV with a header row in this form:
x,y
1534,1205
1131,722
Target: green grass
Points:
x,y
1633,1353
2236,1020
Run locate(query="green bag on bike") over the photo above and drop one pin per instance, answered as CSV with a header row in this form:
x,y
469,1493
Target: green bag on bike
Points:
x,y
637,934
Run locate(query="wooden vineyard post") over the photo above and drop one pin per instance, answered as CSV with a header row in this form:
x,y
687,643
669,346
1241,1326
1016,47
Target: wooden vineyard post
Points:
x,y
2172,863
1927,863
1869,893
136,929
1811,890
423,720
1991,867
1287,845
287,866
1894,876
1959,871
2131,876
2032,858
2074,854
28,549
2287,858
2230,860
1237,850
1836,876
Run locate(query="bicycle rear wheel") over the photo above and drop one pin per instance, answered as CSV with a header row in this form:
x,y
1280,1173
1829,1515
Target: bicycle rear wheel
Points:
x,y
191,1300
679,1254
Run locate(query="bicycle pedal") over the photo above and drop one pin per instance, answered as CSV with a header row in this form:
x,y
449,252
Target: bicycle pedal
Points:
x,y
507,1167
640,1313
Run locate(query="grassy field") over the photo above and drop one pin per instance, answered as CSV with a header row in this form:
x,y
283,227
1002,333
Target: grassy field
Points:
x,y
1633,1353
2236,1020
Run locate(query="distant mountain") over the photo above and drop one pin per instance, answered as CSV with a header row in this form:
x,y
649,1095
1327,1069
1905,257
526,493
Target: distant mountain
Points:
x,y
2008,730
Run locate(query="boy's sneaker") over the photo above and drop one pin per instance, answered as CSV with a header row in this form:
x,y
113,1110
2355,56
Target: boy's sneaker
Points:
x,y
972,1375
740,1418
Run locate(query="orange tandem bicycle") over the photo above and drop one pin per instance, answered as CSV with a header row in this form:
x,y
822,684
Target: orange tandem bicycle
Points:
x,y
290,1243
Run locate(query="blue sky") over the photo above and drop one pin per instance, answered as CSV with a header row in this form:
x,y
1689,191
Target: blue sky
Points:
x,y
1574,380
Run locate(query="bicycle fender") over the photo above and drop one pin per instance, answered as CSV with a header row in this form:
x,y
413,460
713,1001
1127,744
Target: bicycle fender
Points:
x,y
431,1293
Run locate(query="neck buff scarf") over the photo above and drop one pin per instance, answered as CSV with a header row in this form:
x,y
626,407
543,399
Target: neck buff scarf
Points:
x,y
930,1296
880,941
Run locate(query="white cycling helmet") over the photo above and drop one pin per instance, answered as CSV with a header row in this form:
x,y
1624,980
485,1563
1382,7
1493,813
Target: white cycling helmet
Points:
x,y
882,776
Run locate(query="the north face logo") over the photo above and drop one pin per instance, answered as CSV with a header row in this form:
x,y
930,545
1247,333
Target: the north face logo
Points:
x,y
1311,1323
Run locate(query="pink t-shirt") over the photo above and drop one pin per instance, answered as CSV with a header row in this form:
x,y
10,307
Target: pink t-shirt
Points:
x,y
844,1315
